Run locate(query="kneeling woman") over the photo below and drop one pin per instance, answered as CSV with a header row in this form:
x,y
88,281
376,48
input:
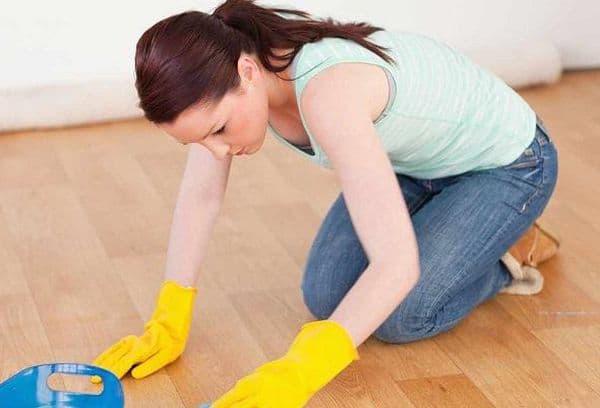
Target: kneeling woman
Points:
x,y
443,168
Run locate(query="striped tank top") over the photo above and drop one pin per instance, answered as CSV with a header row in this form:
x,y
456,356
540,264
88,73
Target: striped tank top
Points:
x,y
445,115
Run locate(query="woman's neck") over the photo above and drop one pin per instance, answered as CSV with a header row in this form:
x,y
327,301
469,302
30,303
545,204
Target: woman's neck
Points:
x,y
281,93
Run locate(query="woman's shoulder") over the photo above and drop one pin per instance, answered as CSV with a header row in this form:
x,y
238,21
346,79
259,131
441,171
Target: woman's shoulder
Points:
x,y
368,82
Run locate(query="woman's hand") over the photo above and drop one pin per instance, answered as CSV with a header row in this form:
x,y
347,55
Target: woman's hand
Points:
x,y
320,351
163,340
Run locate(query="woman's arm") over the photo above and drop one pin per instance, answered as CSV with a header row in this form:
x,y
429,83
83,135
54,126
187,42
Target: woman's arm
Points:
x,y
165,334
198,203
381,219
373,197
323,348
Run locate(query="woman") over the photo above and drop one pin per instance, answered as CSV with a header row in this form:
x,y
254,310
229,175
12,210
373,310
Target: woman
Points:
x,y
443,168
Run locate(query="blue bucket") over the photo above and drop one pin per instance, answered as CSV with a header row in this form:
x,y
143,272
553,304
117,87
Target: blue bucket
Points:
x,y
29,388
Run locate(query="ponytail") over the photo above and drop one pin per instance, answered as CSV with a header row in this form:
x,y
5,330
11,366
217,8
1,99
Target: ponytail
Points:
x,y
192,57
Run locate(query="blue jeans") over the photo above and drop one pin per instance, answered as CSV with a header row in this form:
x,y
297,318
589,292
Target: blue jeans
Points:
x,y
463,225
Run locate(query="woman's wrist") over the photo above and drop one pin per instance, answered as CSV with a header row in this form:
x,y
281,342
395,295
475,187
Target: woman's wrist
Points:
x,y
323,349
182,280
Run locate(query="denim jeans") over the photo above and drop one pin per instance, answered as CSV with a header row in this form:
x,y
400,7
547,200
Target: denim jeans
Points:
x,y
463,225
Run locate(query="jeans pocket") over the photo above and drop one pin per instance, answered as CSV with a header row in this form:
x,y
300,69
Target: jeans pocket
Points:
x,y
524,177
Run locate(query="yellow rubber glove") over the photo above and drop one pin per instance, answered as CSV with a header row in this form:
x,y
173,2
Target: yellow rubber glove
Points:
x,y
320,351
163,340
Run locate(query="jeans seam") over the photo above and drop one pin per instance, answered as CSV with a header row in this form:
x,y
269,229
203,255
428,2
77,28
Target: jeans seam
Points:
x,y
418,203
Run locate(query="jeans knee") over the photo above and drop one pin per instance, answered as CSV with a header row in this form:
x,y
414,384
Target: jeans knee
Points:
x,y
405,329
324,286
320,305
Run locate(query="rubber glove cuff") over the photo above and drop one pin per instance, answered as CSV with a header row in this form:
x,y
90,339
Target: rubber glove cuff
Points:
x,y
320,351
173,310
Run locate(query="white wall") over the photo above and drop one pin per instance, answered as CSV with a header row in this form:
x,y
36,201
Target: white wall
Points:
x,y
69,62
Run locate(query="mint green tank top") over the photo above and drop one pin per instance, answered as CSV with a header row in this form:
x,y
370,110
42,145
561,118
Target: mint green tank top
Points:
x,y
445,116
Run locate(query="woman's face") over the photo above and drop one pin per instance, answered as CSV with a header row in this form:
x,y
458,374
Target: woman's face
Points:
x,y
237,124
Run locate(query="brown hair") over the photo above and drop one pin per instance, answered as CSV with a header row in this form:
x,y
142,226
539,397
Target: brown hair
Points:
x,y
192,56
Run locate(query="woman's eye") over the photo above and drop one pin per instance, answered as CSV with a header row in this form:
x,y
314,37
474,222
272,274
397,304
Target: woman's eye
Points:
x,y
218,132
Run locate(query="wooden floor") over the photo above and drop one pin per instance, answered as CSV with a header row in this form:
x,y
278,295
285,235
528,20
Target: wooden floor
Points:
x,y
86,212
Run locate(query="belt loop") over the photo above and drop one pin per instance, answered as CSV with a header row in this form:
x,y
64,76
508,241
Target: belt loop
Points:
x,y
541,133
